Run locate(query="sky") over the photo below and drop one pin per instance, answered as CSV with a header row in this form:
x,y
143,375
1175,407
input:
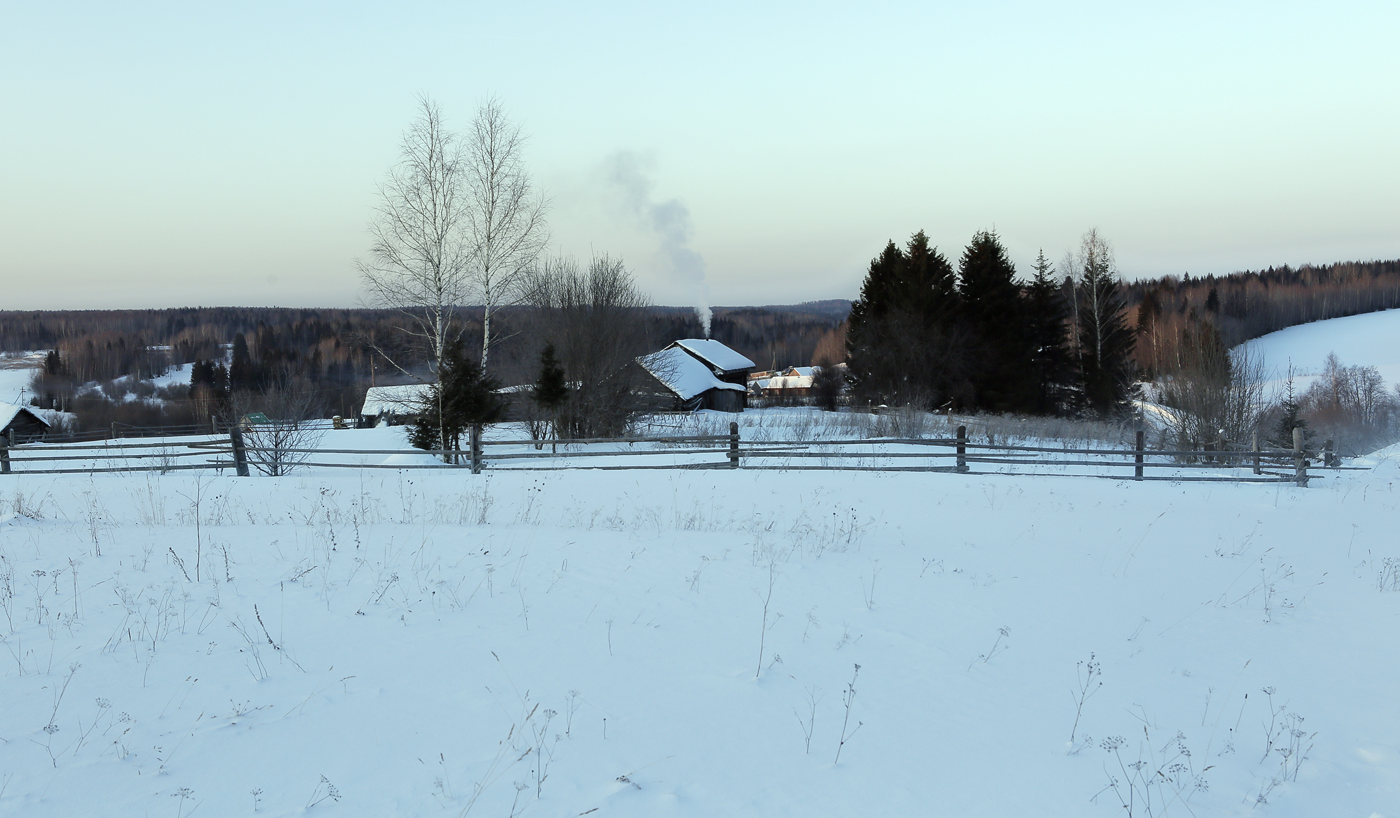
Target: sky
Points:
x,y
156,155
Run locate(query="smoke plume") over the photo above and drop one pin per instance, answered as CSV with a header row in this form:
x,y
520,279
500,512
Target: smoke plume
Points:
x,y
631,174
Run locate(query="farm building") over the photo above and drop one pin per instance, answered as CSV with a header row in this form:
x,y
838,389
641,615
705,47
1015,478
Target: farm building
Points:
x,y
392,405
21,423
701,374
724,363
794,382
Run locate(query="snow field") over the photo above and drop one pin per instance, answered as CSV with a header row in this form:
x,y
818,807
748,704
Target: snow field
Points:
x,y
1371,339
416,636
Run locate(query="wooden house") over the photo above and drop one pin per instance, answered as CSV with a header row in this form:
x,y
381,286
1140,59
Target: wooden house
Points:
x,y
18,423
701,374
392,405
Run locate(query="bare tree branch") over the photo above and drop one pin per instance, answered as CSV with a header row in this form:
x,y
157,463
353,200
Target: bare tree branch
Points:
x,y
505,221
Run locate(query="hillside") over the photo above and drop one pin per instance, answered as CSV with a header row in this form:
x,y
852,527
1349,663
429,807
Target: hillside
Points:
x,y
1372,339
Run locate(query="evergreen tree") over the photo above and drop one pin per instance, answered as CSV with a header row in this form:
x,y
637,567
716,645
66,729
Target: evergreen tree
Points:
x,y
1282,435
462,397
868,343
242,372
903,342
927,282
550,392
994,315
53,364
1105,339
1046,314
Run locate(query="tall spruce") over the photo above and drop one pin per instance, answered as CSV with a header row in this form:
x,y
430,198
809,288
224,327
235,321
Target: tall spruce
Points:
x,y
902,339
1046,314
994,316
1105,339
873,369
550,390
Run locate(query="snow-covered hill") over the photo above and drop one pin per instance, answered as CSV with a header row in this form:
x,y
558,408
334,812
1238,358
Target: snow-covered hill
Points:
x,y
1372,339
685,643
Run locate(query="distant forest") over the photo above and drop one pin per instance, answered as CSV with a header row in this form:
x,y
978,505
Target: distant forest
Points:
x,y
1246,305
331,348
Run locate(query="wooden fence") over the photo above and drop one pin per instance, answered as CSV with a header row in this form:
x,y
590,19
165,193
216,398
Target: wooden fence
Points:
x,y
955,454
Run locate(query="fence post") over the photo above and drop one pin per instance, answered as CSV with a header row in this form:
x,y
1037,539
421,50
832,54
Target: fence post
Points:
x,y
4,454
240,454
1300,463
1329,457
1138,440
733,445
1256,451
962,448
474,440
114,430
214,423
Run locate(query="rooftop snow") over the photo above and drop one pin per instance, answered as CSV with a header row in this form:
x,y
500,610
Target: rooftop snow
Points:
x,y
716,354
683,374
8,412
403,399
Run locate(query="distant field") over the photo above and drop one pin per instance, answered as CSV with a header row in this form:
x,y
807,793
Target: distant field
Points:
x,y
1372,339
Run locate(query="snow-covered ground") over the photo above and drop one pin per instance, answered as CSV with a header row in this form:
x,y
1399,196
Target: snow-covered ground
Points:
x,y
16,370
647,643
583,642
1372,339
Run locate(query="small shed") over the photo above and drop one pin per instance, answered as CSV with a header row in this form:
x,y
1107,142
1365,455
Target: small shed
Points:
x,y
21,423
393,405
692,382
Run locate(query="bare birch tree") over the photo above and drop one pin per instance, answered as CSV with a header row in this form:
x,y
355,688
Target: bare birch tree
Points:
x,y
1105,341
421,261
505,217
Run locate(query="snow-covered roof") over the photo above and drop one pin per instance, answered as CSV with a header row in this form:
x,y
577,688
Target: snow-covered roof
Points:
x,y
714,353
683,374
9,411
403,399
789,382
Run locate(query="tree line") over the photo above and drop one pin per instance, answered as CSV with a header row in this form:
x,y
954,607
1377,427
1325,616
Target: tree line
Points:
x,y
974,338
1246,305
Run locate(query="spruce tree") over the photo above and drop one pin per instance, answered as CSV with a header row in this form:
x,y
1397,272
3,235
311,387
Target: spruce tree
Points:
x,y
1046,314
868,335
902,339
242,372
994,315
550,390
1105,339
462,397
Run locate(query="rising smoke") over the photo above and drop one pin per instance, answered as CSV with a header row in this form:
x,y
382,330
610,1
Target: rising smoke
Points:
x,y
631,174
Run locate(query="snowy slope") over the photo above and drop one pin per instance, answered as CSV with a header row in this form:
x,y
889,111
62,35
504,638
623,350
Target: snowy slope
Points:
x,y
16,370
415,637
1372,339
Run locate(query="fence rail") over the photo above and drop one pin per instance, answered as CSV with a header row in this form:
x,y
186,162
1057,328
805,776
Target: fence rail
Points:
x,y
950,454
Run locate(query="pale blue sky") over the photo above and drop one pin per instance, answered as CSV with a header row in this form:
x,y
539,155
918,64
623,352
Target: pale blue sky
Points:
x,y
183,153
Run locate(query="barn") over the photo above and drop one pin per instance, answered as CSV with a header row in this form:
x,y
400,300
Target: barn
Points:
x,y
18,423
392,405
701,374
